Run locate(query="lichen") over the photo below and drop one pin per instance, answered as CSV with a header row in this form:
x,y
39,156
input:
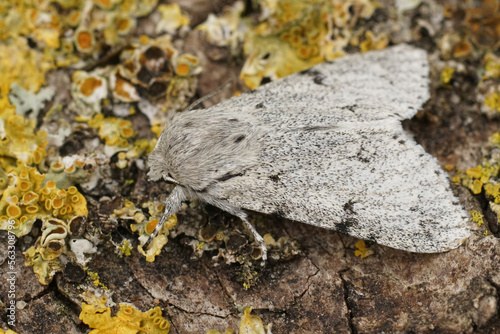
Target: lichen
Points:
x,y
362,251
447,75
115,132
145,226
483,177
18,139
129,319
304,33
171,18
477,217
249,324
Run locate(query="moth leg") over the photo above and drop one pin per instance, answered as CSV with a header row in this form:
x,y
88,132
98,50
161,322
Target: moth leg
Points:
x,y
256,235
172,206
240,214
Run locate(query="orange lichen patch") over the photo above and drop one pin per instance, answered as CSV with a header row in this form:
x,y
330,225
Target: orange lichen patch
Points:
x,y
13,211
57,166
151,225
462,49
182,69
79,164
123,90
124,25
89,85
187,64
29,197
89,89
70,170
362,251
84,41
57,203
128,319
146,226
32,209
24,186
18,140
72,190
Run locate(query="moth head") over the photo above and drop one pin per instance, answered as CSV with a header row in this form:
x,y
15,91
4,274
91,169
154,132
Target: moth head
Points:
x,y
200,148
158,166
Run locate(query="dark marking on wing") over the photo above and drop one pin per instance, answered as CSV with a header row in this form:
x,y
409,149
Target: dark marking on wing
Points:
x,y
360,156
349,207
345,225
260,105
240,138
228,176
350,108
274,178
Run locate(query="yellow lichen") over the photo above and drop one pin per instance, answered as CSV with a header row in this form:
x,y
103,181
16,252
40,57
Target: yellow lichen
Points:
x,y
114,131
125,248
491,66
18,139
171,18
483,176
24,201
128,319
67,176
44,264
477,217
373,42
447,75
294,35
23,65
226,29
8,331
145,226
249,324
492,101
362,251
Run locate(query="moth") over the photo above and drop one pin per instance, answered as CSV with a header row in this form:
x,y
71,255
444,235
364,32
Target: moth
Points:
x,y
324,147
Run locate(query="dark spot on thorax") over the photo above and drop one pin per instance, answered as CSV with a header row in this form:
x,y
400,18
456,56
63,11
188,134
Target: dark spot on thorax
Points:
x,y
260,105
274,178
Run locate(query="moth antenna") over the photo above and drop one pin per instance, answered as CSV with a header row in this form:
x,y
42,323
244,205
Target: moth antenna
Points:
x,y
201,99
